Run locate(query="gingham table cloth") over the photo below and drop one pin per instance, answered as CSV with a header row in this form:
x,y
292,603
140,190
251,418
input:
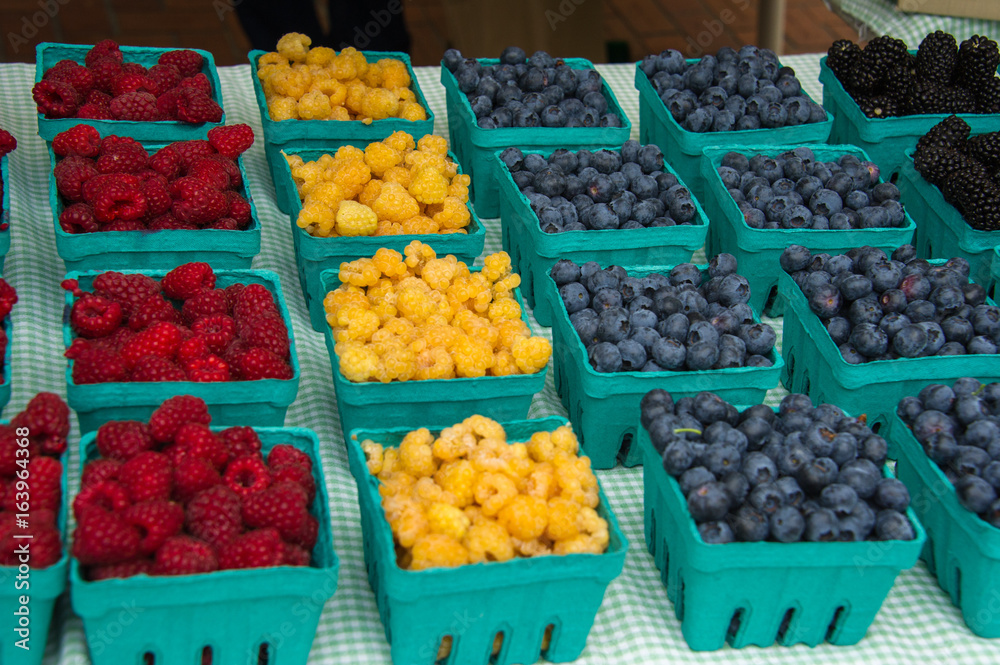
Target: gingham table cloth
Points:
x,y
882,17
636,624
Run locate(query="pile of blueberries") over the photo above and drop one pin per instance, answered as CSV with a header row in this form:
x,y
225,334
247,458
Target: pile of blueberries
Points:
x,y
540,91
794,191
679,321
881,308
732,90
803,473
601,189
959,429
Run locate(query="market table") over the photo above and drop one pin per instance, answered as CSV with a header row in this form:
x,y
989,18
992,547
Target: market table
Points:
x,y
882,18
636,624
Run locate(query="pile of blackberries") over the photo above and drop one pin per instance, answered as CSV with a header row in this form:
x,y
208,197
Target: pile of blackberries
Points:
x,y
958,429
732,90
881,308
684,320
540,91
601,189
803,473
794,191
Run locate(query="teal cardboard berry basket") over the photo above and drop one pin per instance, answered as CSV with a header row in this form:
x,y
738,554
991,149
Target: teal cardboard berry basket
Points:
x,y
519,599
885,139
4,212
962,551
261,403
5,386
684,148
761,593
176,619
328,135
815,366
157,250
758,251
48,54
994,273
533,252
431,401
314,255
604,407
941,229
43,586
475,146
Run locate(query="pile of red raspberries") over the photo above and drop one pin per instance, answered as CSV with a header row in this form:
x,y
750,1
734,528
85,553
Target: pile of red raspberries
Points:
x,y
180,328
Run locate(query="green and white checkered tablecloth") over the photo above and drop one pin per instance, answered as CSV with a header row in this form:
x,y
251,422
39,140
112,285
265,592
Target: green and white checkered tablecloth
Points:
x,y
882,17
636,624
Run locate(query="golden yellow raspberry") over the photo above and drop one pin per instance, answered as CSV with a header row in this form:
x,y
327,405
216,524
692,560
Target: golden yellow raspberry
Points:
x,y
389,262
379,103
324,86
390,464
448,520
416,455
565,440
456,477
395,203
294,46
281,108
502,309
398,364
320,55
352,175
454,214
399,174
486,540
381,157
270,58
328,193
361,272
437,550
524,517
291,82
370,192
541,481
358,363
493,491
417,255
433,144
293,161
394,74
314,106
503,364
355,219
409,524
505,287
419,225
338,95
509,330
415,304
435,363
405,95
355,323
412,111
472,356
563,517
532,548
317,218
454,442
496,266
418,159
373,454
532,354
428,186
438,273
400,141
541,448
346,153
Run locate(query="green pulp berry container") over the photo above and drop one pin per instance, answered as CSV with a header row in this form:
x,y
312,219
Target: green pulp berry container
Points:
x,y
431,401
533,252
758,251
761,593
994,273
815,366
48,54
261,403
176,619
519,598
5,386
941,229
962,550
328,135
157,250
315,255
604,407
684,148
885,139
42,586
4,211
475,146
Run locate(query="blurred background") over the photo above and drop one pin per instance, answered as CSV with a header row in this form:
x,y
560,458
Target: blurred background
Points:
x,y
602,30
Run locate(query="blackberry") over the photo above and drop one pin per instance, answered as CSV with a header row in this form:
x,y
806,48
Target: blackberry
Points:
x,y
951,132
964,184
988,96
937,56
929,97
864,77
978,198
841,57
878,106
900,81
978,58
986,148
936,164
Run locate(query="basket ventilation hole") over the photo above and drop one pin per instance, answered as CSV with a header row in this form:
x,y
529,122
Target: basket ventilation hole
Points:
x,y
148,658
497,647
805,385
772,295
626,444
206,655
958,586
786,622
547,638
444,649
680,599
264,654
894,177
734,624
834,622
876,427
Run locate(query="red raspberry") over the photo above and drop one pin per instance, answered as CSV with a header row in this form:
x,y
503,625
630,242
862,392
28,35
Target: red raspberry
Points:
x,y
134,68
206,303
224,224
71,174
124,439
47,418
59,67
7,143
241,441
126,82
196,107
166,103
153,309
218,331
187,62
103,538
257,363
297,474
8,297
107,495
192,475
78,76
78,218
116,202
232,293
232,140
254,300
261,548
98,183
307,536
93,364
8,451
98,98
123,156
211,172
157,196
106,48
157,368
166,76
120,570
188,280
266,332
168,222
198,82
123,225
159,339
116,341
56,99
208,369
296,556
46,483
99,470
156,520
214,515
284,454
175,412
94,112
198,440
167,162
104,70
94,316
138,106
197,202
129,291
46,546
184,555
239,209
191,150
282,506
82,140
192,349
247,475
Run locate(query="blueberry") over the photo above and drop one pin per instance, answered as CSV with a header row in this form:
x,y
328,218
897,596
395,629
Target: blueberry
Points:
x,y
759,469
715,532
821,526
825,202
452,59
574,297
787,525
722,459
709,502
817,474
633,355
910,341
891,494
767,498
605,357
749,524
669,354
892,525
